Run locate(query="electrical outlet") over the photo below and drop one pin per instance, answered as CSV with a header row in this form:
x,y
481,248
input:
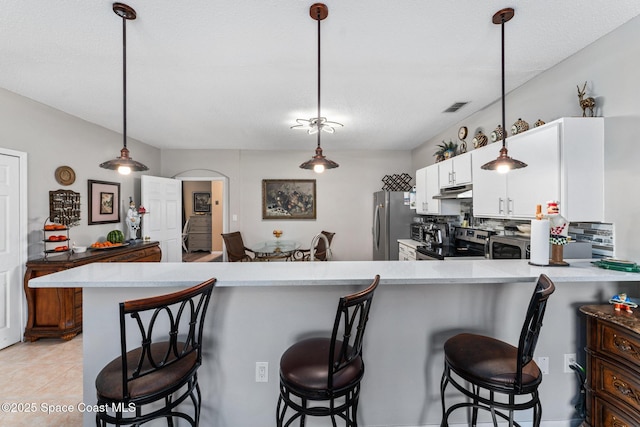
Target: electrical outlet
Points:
x,y
543,364
262,372
569,359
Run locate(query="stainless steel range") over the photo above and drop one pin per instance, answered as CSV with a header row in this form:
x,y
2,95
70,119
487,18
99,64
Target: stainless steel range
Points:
x,y
466,242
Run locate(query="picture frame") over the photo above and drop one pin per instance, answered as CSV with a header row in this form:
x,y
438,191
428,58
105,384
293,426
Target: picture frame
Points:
x,y
289,199
201,202
104,202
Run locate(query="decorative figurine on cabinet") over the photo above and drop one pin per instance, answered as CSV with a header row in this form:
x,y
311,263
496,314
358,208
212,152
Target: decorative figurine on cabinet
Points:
x,y
622,302
133,220
586,103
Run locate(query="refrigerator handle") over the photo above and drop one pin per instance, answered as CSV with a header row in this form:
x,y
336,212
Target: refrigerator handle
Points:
x,y
376,225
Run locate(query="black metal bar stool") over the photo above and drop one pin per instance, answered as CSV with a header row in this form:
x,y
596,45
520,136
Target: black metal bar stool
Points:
x,y
150,381
496,376
321,376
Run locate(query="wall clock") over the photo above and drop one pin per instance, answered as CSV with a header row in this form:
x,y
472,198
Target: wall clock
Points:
x,y
462,132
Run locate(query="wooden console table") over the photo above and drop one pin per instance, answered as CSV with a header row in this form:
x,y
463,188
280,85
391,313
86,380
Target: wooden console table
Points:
x,y
613,367
57,312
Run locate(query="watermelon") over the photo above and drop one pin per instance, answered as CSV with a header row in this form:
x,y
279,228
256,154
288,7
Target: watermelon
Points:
x,y
115,236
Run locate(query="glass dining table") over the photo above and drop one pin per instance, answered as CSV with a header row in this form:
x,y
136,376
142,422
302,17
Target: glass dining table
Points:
x,y
275,250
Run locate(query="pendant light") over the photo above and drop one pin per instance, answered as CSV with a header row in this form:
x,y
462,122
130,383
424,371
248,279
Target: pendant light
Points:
x,y
124,164
319,162
503,163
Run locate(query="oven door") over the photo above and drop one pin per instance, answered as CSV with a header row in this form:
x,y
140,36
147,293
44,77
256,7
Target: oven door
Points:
x,y
424,254
505,250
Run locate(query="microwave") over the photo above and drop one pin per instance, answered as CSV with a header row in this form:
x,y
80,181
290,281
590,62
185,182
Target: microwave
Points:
x,y
509,247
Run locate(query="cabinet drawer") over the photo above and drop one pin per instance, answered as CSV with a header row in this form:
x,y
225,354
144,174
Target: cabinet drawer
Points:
x,y
617,383
607,415
619,344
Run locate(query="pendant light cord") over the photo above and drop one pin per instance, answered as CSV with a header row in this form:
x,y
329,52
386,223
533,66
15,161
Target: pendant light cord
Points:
x,y
124,81
318,122
504,129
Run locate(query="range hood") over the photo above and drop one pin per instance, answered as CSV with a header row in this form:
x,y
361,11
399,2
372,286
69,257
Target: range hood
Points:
x,y
459,192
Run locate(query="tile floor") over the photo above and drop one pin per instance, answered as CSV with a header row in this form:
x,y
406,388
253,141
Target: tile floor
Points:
x,y
36,375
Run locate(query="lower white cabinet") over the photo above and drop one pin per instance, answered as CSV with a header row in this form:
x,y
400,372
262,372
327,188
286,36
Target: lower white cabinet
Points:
x,y
406,252
564,163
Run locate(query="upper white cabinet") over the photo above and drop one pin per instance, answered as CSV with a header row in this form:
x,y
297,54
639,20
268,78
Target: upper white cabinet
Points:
x,y
427,186
455,171
564,162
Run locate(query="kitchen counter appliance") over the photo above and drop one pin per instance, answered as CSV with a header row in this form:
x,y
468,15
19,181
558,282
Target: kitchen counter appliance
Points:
x,y
466,242
519,247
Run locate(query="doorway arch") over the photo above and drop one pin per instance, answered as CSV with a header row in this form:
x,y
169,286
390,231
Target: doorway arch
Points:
x,y
211,176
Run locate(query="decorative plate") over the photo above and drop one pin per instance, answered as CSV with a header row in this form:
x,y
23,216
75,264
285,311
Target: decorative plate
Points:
x,y
65,175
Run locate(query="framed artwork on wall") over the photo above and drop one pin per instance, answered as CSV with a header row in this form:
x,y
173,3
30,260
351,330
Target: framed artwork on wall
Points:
x,y
288,199
202,202
104,202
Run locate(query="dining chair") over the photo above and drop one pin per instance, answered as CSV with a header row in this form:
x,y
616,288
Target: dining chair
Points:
x,y
236,250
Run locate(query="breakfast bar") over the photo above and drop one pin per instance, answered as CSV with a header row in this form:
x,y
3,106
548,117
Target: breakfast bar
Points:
x,y
259,309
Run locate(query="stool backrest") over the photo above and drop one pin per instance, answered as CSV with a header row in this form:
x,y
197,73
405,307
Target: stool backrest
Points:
x,y
533,323
178,322
349,326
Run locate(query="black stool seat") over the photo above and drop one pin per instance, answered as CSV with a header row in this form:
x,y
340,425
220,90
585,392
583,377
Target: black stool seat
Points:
x,y
478,358
304,367
109,380
493,375
320,377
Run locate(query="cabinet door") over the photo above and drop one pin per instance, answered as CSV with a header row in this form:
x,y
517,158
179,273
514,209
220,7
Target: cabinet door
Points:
x,y
433,188
445,168
462,169
421,198
489,187
539,182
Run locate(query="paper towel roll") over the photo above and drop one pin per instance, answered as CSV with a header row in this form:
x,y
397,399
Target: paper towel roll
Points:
x,y
539,242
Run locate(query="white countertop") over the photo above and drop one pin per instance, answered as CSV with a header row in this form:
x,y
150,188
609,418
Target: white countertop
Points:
x,y
234,274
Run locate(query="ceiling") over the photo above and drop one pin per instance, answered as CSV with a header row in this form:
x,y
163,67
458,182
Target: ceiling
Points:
x,y
236,74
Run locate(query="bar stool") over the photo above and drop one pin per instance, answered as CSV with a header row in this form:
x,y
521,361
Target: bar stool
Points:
x,y
150,381
321,376
500,377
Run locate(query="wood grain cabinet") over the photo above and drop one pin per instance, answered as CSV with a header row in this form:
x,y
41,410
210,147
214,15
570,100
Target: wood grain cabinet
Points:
x,y
57,312
613,367
199,235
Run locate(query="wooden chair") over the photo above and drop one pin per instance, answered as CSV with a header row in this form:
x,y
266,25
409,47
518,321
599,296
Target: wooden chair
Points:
x,y
321,251
496,376
321,376
236,250
151,381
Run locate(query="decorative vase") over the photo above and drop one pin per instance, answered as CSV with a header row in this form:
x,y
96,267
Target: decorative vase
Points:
x,y
497,134
538,122
480,140
519,126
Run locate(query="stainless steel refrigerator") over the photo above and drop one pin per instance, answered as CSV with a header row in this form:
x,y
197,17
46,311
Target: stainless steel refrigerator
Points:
x,y
391,221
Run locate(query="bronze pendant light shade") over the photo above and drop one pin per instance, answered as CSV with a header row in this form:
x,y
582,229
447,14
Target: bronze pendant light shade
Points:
x,y
503,163
319,162
124,164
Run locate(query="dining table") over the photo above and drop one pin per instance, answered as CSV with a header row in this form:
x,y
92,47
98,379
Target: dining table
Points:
x,y
275,250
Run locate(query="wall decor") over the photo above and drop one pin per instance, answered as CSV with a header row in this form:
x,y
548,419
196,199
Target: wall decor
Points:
x,y
64,207
104,202
397,182
288,199
519,126
202,202
65,175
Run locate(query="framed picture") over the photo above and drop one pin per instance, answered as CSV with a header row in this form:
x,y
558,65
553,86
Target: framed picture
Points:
x,y
288,199
104,202
202,202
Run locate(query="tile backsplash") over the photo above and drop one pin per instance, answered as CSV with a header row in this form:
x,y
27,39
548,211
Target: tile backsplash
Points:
x,y
598,233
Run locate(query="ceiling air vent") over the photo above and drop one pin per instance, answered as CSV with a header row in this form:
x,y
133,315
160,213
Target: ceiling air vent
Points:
x,y
455,107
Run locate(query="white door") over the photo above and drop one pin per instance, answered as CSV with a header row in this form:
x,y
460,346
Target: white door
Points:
x,y
162,198
12,226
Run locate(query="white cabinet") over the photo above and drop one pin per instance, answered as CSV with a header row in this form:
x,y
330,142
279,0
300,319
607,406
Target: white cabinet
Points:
x,y
564,162
407,249
427,186
455,171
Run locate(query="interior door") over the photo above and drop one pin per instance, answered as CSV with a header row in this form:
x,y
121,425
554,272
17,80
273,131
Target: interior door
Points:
x,y
12,225
162,197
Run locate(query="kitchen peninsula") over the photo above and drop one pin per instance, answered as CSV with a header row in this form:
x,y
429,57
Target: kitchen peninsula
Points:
x,y
259,309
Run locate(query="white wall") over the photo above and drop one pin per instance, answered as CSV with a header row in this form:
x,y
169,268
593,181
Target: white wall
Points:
x,y
52,138
344,195
610,67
